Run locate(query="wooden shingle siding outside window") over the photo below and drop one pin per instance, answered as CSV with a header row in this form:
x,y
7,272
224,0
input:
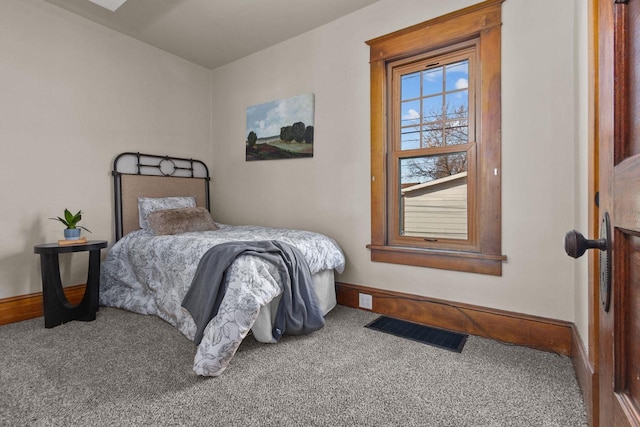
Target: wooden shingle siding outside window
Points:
x,y
435,143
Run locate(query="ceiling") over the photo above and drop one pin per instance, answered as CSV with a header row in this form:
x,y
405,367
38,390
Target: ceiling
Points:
x,y
214,32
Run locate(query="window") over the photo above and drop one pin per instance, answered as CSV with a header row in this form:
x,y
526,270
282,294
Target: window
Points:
x,y
435,143
431,150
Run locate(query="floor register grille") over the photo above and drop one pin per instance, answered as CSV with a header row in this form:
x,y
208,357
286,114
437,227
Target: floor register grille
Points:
x,y
440,338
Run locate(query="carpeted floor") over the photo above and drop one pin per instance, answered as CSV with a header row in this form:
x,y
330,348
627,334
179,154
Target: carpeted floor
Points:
x,y
126,369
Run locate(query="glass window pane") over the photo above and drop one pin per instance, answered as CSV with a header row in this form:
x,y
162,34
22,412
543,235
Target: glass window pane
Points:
x,y
432,136
418,170
432,108
410,138
410,113
432,81
457,76
457,104
433,196
456,132
410,86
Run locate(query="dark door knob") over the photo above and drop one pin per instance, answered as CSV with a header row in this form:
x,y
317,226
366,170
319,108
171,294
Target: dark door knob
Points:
x,y
575,244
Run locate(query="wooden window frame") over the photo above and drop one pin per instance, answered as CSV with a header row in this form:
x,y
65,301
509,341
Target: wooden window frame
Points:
x,y
395,70
479,24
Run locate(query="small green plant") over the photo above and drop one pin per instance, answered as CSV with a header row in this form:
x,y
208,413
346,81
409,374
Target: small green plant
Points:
x,y
71,220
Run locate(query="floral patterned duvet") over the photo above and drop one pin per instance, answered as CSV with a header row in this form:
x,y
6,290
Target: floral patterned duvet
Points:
x,y
151,274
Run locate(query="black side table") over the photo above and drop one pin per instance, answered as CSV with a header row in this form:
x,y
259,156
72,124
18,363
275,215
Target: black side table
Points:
x,y
57,309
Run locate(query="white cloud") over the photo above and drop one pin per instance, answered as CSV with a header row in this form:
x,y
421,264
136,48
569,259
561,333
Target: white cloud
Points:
x,y
462,84
411,114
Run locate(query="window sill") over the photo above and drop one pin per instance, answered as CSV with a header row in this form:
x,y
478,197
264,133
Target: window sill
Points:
x,y
446,260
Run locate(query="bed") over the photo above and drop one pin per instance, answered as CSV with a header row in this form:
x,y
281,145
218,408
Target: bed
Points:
x,y
151,273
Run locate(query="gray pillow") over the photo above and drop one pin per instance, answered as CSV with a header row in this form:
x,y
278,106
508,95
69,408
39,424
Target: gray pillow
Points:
x,y
146,205
182,220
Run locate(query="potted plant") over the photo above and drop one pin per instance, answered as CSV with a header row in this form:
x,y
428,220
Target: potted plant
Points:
x,y
72,232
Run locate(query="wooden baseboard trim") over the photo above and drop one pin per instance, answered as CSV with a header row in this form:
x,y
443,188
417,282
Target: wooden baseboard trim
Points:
x,y
24,307
588,380
509,327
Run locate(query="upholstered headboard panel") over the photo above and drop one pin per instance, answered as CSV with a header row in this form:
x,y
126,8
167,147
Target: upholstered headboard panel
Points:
x,y
134,186
147,175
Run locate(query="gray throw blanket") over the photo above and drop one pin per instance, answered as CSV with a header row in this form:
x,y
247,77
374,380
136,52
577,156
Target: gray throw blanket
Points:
x,y
298,312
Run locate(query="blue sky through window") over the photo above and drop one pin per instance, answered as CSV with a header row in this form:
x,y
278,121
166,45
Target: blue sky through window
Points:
x,y
431,97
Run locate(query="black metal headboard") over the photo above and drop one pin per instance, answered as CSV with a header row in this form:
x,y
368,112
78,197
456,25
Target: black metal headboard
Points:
x,y
149,175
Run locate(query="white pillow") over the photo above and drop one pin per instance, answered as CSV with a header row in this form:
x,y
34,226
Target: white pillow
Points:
x,y
146,205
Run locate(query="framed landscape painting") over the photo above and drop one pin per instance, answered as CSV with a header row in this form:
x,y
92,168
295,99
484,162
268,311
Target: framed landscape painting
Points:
x,y
280,129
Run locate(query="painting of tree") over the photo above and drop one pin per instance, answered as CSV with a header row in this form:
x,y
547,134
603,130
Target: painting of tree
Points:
x,y
280,129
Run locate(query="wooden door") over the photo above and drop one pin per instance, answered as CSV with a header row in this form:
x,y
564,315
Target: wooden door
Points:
x,y
619,139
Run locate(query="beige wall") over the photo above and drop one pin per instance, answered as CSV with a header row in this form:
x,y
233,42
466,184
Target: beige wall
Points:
x,y
72,87
330,192
74,94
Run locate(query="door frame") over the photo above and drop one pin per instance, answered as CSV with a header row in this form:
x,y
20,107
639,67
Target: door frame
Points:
x,y
591,390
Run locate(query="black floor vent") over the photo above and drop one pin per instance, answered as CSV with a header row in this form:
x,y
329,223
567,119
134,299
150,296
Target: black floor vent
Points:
x,y
424,334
